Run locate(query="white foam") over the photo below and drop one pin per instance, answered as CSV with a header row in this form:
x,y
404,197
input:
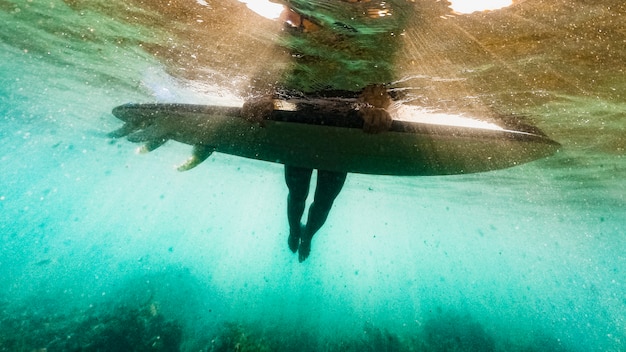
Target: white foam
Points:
x,y
264,8
469,6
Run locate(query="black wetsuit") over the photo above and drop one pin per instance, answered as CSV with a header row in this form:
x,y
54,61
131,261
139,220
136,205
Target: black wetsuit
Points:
x,y
329,184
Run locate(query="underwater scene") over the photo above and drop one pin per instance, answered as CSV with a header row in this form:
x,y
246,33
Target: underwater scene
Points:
x,y
106,249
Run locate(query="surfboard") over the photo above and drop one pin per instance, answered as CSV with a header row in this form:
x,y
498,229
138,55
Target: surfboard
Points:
x,y
329,136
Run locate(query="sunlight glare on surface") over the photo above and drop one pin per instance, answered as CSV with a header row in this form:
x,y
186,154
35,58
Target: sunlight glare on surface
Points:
x,y
469,6
416,114
264,8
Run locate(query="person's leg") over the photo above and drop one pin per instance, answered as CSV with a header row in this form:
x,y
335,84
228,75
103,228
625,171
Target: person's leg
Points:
x,y
298,181
329,184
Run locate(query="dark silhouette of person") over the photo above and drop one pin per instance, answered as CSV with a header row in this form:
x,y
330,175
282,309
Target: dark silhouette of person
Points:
x,y
364,27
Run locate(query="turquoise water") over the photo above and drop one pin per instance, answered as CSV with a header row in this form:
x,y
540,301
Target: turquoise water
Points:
x,y
96,238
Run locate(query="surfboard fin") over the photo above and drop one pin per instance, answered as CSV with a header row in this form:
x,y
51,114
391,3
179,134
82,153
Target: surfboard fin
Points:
x,y
151,145
200,153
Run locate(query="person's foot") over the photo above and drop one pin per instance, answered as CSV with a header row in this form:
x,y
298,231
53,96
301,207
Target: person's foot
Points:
x,y
305,249
294,238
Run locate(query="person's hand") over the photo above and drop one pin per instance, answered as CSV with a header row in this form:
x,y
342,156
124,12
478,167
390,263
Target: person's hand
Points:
x,y
257,110
375,120
374,102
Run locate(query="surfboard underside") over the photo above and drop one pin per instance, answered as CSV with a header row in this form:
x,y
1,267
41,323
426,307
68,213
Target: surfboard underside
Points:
x,y
335,143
